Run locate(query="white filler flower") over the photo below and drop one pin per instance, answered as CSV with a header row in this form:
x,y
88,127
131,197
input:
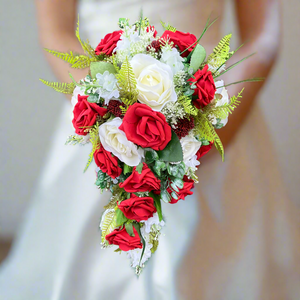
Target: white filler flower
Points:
x,y
114,140
154,81
172,58
108,83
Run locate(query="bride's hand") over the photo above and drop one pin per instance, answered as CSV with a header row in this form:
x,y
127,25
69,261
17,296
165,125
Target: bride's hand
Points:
x,y
57,23
259,26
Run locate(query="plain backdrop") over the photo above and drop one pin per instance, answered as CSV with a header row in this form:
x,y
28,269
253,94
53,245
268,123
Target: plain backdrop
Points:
x,y
29,110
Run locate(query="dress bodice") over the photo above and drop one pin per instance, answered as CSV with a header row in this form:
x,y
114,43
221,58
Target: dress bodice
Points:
x,y
101,17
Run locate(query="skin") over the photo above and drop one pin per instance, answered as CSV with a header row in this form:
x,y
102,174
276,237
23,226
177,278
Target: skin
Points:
x,y
258,24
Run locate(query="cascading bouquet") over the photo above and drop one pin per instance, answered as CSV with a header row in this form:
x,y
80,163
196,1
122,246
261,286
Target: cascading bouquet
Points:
x,y
149,107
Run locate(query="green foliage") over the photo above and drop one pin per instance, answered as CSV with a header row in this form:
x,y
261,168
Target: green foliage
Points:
x,y
168,27
87,48
74,140
114,62
101,67
118,194
139,168
129,229
157,204
103,180
120,217
197,57
65,88
221,52
127,169
127,84
205,130
109,224
187,105
223,111
95,140
173,151
76,61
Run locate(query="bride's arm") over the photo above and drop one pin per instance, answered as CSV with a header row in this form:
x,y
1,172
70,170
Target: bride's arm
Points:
x,y
259,24
57,23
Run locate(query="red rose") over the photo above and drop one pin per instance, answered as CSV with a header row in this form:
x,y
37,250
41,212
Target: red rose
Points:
x,y
144,182
138,208
109,43
107,163
85,114
181,40
203,150
205,87
186,190
126,242
145,127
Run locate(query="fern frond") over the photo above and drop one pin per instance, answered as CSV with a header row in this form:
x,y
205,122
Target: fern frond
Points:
x,y
76,61
223,111
114,62
188,107
204,129
127,84
65,56
95,140
168,27
74,140
65,88
87,48
108,225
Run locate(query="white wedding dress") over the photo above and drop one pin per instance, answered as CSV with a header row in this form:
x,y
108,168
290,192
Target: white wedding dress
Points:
x,y
237,241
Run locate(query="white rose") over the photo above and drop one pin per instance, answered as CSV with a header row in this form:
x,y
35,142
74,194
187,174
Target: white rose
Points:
x,y
172,58
221,91
190,145
154,81
115,141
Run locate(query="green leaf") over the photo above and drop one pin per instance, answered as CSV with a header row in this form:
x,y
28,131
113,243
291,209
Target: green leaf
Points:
x,y
173,151
101,67
138,229
174,187
139,168
120,218
165,196
197,58
157,204
172,170
151,156
158,167
178,182
129,229
127,169
174,195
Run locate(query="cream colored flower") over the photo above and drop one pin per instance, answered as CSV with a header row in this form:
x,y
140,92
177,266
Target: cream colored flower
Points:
x,y
154,81
115,141
190,145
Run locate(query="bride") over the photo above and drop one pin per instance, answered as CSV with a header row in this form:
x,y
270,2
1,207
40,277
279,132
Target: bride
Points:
x,y
235,237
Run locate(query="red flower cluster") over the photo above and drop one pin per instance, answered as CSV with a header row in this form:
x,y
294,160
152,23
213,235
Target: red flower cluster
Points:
x,y
114,106
186,190
182,40
126,242
107,163
144,182
138,208
145,127
184,126
109,43
203,150
205,87
85,115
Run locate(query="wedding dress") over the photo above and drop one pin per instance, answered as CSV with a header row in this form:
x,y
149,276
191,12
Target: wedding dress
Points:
x,y
235,238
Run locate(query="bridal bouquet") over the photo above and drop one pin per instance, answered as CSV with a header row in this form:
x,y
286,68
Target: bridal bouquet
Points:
x,y
149,106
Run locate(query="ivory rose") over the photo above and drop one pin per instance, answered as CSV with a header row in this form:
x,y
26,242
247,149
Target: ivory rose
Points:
x,y
114,140
154,81
190,146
